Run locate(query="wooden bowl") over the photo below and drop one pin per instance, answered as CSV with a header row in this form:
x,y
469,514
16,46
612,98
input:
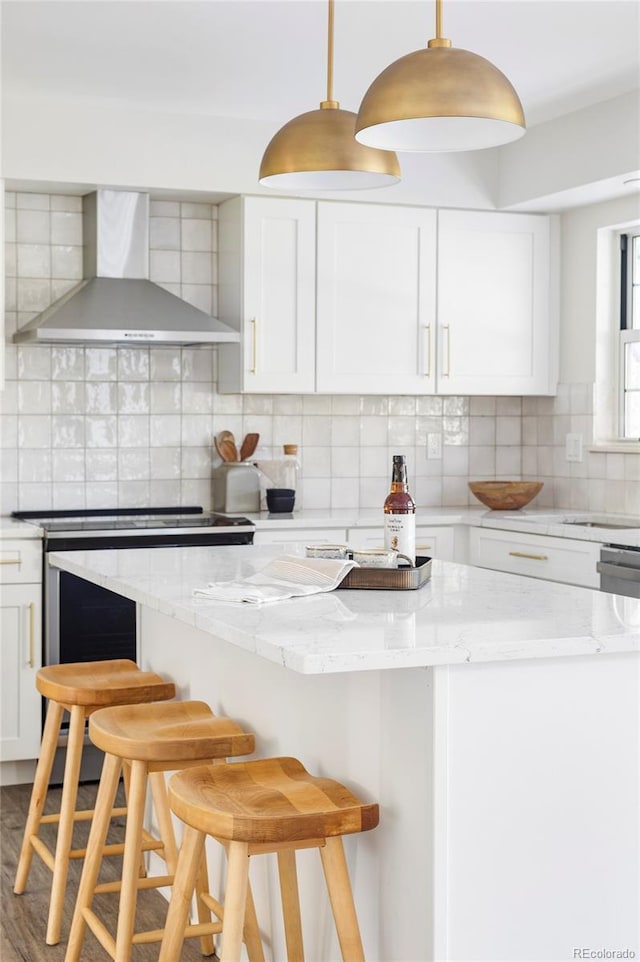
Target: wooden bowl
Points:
x,y
505,495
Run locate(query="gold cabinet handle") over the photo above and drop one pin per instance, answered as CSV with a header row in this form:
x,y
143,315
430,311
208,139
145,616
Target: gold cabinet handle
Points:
x,y
32,620
532,557
424,547
447,372
427,334
11,561
254,348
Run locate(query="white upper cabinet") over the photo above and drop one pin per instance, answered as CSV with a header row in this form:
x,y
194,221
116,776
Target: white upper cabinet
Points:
x,y
345,298
376,299
267,265
497,324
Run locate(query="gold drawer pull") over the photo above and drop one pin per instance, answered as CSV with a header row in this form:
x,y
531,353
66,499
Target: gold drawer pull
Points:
x,y
32,619
424,547
10,561
532,557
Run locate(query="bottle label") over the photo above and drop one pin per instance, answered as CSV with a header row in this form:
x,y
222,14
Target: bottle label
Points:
x,y
400,534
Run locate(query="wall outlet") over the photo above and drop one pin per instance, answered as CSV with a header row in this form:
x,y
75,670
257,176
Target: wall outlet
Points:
x,y
573,447
434,446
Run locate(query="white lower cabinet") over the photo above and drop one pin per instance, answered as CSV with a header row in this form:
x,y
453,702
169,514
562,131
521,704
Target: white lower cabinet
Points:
x,y
20,649
300,536
431,542
538,556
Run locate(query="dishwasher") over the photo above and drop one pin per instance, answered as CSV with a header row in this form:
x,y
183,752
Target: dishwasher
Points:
x,y
619,569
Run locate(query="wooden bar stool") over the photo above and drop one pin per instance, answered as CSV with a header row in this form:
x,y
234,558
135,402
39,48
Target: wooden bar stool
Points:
x,y
255,807
151,740
80,689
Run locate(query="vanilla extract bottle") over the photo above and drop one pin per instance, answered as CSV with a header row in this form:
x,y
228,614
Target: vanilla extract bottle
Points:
x,y
400,512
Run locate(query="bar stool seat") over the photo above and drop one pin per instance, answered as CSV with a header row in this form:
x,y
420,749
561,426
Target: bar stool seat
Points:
x,y
80,689
255,807
151,739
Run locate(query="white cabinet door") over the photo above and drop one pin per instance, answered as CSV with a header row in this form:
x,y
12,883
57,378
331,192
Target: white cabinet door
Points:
x,y
267,289
20,658
497,324
300,536
431,542
538,556
376,299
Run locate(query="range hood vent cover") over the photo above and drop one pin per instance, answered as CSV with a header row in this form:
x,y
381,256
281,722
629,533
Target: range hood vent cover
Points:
x,y
116,302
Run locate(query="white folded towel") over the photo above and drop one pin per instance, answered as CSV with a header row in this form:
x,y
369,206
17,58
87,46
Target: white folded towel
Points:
x,y
284,577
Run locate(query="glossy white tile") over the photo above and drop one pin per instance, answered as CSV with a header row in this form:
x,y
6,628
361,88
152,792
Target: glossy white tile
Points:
x,y
101,363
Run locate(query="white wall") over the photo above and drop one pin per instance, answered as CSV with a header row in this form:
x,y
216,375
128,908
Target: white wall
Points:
x,y
55,142
573,159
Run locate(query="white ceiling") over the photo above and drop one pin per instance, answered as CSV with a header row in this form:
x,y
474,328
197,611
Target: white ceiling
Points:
x,y
267,58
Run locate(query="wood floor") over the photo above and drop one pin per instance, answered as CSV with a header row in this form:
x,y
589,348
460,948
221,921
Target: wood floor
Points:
x,y
23,918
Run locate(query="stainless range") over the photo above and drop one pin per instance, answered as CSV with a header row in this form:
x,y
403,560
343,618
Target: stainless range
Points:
x,y
85,622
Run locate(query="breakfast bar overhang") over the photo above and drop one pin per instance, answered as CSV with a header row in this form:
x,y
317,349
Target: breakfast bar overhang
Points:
x,y
494,718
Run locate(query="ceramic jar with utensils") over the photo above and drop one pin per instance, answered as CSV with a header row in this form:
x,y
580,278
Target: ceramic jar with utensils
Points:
x,y
236,487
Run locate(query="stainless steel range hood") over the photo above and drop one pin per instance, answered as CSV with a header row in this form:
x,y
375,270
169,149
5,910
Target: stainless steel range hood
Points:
x,y
116,303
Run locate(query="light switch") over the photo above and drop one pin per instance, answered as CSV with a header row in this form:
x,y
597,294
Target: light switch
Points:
x,y
573,447
434,446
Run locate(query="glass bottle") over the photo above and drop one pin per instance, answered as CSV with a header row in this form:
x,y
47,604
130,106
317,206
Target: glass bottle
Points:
x,y
400,512
291,466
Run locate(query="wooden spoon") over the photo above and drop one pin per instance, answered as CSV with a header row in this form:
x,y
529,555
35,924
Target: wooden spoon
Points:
x,y
249,445
227,439
226,446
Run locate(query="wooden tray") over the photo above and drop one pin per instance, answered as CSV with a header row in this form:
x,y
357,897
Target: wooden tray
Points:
x,y
389,579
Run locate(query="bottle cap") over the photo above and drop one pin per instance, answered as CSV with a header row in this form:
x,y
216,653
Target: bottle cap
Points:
x,y
290,448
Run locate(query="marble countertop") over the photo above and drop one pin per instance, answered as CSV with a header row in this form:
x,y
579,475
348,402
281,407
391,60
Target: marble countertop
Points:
x,y
12,528
555,522
463,614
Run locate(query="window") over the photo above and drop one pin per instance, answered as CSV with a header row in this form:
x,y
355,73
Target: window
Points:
x,y
629,351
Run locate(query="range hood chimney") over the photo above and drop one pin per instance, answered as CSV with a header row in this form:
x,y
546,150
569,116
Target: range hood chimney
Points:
x,y
116,302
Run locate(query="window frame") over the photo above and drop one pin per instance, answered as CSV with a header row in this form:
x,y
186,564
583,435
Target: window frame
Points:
x,y
626,333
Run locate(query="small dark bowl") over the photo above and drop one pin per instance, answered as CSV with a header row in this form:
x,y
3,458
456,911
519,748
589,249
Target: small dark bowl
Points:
x,y
280,500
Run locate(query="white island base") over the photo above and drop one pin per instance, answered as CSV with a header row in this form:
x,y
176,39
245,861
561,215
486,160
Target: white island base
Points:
x,y
508,796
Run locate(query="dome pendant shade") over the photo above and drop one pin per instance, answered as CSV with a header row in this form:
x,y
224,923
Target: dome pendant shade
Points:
x,y
440,98
318,151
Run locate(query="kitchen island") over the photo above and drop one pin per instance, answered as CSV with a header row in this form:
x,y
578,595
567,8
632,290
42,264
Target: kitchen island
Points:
x,y
495,719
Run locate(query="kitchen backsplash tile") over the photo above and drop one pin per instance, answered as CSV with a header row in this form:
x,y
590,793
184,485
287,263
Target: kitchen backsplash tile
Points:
x,y
103,426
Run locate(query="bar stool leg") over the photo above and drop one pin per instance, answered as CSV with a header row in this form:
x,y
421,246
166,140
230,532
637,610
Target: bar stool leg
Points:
x,y
131,861
291,904
93,858
183,885
341,896
207,946
235,901
165,827
126,781
65,825
252,939
48,747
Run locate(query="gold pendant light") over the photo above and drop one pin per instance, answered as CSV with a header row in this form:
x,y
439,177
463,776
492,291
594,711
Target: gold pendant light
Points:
x,y
318,151
440,98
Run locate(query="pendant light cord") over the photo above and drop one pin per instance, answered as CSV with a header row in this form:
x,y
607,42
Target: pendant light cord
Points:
x,y
330,102
330,52
439,40
438,19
